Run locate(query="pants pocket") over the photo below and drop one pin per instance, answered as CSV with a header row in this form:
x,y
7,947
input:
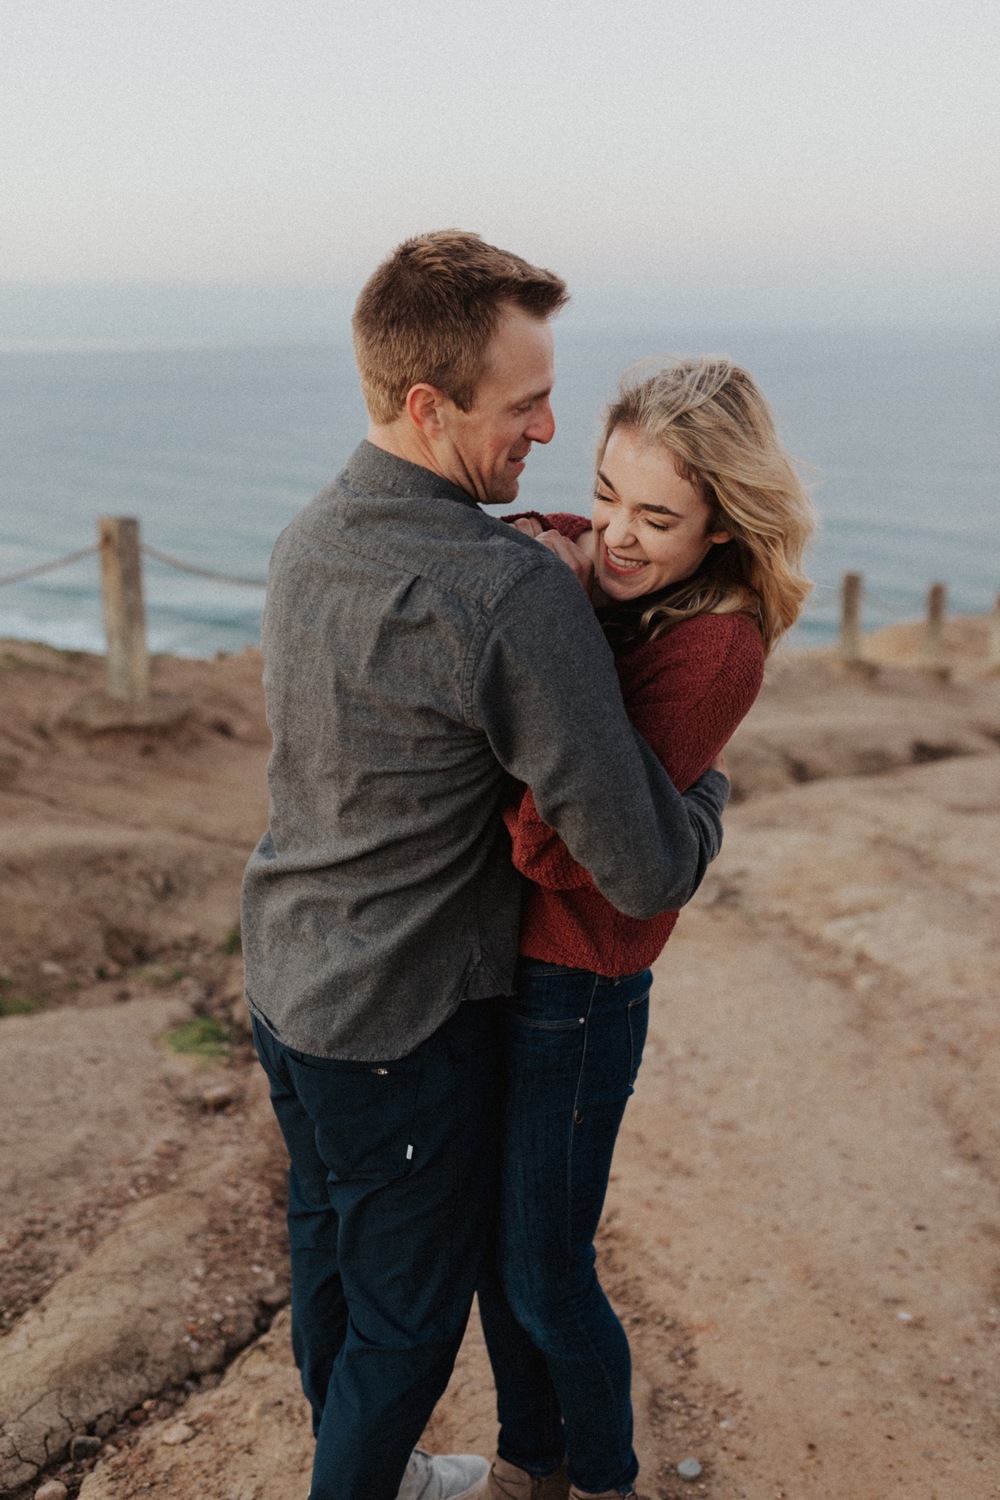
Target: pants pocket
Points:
x,y
363,1115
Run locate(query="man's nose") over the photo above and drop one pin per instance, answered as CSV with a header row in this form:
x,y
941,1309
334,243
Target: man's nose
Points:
x,y
542,425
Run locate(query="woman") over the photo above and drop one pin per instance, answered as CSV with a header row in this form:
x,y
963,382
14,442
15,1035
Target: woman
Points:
x,y
696,539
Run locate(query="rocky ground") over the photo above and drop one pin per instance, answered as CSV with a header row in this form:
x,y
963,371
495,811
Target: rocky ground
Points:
x,y
803,1231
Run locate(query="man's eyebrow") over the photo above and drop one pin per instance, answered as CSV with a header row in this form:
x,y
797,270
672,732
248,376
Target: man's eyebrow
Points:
x,y
534,396
660,510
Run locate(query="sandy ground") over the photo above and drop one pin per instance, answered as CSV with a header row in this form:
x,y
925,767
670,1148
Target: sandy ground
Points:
x,y
803,1229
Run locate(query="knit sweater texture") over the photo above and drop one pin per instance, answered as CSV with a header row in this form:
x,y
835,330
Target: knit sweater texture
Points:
x,y
685,692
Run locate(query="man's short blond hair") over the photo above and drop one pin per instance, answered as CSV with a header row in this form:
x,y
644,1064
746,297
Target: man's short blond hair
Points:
x,y
429,313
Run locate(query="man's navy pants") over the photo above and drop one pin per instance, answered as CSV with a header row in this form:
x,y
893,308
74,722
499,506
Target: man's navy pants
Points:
x,y
391,1191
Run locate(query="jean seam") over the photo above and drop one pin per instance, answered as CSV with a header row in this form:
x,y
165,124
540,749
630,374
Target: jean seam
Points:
x,y
634,1062
623,1437
573,1118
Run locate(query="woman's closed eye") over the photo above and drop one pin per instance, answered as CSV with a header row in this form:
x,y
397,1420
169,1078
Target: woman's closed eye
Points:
x,y
613,500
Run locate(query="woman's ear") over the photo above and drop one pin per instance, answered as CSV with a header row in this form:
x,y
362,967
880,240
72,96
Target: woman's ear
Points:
x,y
718,537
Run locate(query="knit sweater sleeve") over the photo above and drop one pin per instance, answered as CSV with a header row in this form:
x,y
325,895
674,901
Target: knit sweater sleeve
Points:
x,y
564,521
685,693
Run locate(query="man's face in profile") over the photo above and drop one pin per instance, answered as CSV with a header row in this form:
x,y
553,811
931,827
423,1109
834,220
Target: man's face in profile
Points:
x,y
511,410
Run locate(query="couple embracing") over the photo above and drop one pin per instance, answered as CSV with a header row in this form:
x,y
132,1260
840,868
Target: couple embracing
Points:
x,y
497,774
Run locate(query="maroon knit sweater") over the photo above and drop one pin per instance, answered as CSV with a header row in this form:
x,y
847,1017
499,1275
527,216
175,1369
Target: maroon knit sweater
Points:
x,y
685,692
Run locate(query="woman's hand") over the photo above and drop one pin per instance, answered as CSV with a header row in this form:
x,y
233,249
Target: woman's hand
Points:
x,y
528,525
719,764
573,556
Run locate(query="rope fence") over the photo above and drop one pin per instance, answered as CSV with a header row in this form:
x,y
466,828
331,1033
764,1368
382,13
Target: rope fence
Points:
x,y
186,567
127,665
49,567
148,551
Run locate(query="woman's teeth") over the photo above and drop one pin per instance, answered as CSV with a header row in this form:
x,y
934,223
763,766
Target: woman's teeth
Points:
x,y
626,562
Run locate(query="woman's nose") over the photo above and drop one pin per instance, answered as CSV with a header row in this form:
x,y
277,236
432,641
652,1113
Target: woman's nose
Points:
x,y
619,531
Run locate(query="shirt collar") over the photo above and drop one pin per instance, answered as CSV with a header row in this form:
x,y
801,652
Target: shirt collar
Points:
x,y
373,471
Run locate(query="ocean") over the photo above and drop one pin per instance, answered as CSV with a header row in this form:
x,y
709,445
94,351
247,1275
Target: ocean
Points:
x,y
215,448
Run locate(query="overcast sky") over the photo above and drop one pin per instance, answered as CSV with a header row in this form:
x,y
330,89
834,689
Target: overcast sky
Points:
x,y
836,159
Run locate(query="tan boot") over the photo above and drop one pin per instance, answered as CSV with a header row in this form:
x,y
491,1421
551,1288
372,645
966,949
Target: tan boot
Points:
x,y
507,1482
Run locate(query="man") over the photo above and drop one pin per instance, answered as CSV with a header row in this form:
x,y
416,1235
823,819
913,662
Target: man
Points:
x,y
418,655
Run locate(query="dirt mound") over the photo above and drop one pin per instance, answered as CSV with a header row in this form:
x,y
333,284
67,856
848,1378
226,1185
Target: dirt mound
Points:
x,y
120,848
813,722
173,1284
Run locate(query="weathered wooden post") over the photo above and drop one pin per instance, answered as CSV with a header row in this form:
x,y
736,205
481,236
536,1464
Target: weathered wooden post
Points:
x,y
850,618
993,642
127,666
933,654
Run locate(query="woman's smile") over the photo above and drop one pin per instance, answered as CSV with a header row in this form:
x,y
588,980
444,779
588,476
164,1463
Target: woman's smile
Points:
x,y
623,564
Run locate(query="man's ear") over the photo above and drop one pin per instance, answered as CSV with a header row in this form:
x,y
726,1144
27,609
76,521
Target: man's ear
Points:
x,y
425,409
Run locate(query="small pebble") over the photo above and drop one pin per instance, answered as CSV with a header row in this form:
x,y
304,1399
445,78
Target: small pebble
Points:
x,y
52,1489
273,1297
219,1095
690,1468
904,1317
179,1433
84,1447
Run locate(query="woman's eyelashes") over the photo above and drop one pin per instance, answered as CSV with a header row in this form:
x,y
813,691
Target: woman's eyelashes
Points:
x,y
613,500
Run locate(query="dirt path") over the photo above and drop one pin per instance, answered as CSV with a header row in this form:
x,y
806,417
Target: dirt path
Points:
x,y
803,1230
803,1235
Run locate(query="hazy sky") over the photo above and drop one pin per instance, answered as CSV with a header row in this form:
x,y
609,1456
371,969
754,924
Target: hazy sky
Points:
x,y
836,159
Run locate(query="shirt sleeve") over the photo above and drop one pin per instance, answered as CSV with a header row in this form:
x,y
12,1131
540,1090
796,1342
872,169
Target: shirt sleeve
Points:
x,y
544,690
693,686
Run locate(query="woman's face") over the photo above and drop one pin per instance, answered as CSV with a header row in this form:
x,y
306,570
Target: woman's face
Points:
x,y
650,525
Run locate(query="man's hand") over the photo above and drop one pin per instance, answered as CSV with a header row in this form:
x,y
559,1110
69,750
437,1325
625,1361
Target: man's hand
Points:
x,y
573,556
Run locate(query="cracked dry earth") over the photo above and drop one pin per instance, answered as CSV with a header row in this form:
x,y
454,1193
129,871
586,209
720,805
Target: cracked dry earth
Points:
x,y
803,1229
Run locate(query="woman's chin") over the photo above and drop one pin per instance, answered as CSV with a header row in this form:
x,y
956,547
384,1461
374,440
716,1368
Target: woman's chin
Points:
x,y
621,589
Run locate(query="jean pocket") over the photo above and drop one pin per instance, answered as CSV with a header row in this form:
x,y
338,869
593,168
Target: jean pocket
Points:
x,y
363,1115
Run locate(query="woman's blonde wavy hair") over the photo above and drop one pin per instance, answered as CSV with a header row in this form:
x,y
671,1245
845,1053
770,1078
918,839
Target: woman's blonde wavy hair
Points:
x,y
720,430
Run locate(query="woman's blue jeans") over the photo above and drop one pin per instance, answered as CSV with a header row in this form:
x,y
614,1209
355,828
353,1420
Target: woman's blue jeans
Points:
x,y
572,1044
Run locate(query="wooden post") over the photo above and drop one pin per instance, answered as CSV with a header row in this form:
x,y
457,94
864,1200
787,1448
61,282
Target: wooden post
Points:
x,y
127,664
850,617
993,642
933,656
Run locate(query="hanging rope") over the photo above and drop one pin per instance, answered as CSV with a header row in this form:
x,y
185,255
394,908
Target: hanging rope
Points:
x,y
186,567
60,562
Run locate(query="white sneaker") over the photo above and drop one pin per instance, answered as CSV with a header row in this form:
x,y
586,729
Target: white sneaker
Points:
x,y
443,1476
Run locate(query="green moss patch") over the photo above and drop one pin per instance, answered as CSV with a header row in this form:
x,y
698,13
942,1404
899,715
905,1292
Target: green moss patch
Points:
x,y
13,1003
203,1038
